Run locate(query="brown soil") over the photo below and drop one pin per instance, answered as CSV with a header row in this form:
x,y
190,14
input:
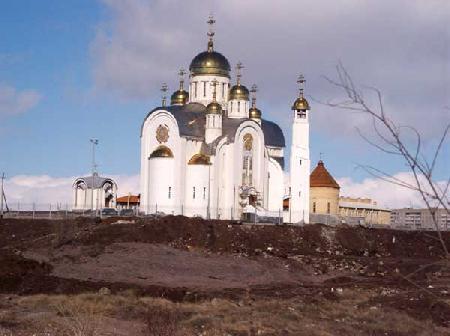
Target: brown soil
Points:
x,y
186,260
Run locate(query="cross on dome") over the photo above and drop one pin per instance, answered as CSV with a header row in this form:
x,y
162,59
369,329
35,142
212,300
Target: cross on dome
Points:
x,y
301,81
164,89
239,67
211,33
181,73
253,90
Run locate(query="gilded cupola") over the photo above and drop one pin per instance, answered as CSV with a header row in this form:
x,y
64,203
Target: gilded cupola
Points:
x,y
254,112
214,107
301,104
239,91
181,96
210,62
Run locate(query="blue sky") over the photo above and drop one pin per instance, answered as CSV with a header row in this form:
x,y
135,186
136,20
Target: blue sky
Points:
x,y
92,69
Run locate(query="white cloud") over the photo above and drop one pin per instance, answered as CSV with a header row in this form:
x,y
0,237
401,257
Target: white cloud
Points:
x,y
385,193
14,102
44,190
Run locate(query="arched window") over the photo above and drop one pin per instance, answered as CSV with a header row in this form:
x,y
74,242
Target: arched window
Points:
x,y
314,207
247,161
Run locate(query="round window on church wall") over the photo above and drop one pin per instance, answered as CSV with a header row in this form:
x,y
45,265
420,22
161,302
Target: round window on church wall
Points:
x,y
162,133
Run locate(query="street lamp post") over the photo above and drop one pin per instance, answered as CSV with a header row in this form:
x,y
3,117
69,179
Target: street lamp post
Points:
x,y
1,196
94,143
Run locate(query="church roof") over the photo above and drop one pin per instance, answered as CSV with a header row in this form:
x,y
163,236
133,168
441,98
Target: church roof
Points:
x,y
95,180
128,199
320,177
191,123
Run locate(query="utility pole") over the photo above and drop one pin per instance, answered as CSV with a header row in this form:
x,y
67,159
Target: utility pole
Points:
x,y
1,196
94,168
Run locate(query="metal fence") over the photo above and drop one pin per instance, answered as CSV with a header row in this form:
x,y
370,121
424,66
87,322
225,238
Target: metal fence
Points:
x,y
257,216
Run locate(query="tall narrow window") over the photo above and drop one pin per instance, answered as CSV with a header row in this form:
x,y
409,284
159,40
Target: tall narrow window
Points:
x,y
239,106
204,192
314,207
223,90
247,164
300,162
204,89
169,194
193,193
195,89
328,208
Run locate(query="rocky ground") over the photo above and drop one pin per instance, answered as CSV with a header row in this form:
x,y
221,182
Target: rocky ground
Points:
x,y
180,276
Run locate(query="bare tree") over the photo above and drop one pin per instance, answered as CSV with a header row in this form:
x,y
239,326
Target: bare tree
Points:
x,y
391,139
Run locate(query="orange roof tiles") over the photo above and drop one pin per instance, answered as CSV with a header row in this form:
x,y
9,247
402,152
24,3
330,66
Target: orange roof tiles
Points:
x,y
130,198
320,177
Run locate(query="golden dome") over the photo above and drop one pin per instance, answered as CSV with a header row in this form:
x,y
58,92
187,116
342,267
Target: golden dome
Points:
x,y
214,108
199,159
210,63
162,152
300,104
254,113
239,92
179,97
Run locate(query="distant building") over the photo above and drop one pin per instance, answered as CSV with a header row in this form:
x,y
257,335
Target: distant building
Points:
x,y
418,219
94,192
324,191
364,208
328,206
128,202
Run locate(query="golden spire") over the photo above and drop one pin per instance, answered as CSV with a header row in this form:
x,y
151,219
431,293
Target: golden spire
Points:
x,y
181,73
214,84
164,89
301,81
211,33
239,67
301,104
253,90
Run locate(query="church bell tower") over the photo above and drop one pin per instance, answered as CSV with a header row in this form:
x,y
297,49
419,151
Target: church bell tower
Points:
x,y
300,162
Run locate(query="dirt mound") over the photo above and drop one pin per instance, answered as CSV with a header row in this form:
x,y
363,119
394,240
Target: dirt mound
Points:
x,y
211,256
279,240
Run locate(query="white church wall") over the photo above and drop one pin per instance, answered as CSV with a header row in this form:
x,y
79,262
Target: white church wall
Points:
x,y
204,92
161,190
238,108
275,151
213,127
275,186
258,167
221,182
197,190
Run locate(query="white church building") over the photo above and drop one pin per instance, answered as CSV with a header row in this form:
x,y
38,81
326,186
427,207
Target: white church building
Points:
x,y
210,153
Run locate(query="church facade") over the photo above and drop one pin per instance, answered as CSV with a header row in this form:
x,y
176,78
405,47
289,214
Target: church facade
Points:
x,y
210,153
